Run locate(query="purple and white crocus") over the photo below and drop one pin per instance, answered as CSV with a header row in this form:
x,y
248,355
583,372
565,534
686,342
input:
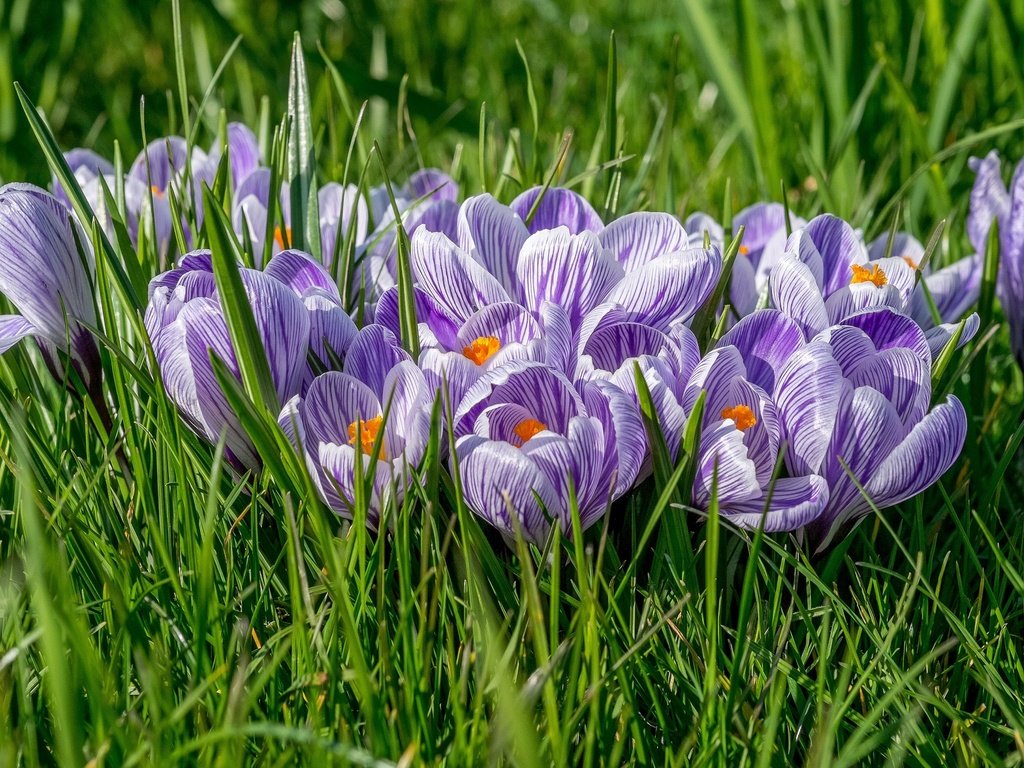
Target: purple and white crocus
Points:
x,y
300,322
528,443
48,280
991,201
853,405
376,413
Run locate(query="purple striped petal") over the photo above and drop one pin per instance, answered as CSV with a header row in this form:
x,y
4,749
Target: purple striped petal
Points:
x,y
334,401
794,503
761,221
506,321
13,328
283,325
429,315
624,437
331,330
493,234
450,373
338,463
373,353
453,280
725,465
558,208
904,246
670,288
337,205
940,335
167,157
298,271
795,291
542,390
433,182
699,223
838,245
499,480
888,329
572,271
923,457
954,289
765,340
639,238
808,392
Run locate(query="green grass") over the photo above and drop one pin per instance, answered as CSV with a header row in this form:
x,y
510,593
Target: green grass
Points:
x,y
157,610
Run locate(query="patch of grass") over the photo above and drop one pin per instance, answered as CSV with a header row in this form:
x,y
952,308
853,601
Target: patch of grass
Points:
x,y
157,609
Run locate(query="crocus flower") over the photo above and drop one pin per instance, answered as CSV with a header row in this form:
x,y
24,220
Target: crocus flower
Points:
x,y
45,277
741,433
298,316
527,442
639,270
825,276
764,241
853,405
381,397
991,201
243,152
335,204
86,165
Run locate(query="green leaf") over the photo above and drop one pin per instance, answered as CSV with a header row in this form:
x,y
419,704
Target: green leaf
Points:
x,y
245,338
302,159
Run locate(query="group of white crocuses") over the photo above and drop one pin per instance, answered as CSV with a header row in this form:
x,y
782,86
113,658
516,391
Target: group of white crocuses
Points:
x,y
545,332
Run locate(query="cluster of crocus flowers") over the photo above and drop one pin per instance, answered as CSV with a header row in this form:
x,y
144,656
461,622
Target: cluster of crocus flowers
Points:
x,y
536,322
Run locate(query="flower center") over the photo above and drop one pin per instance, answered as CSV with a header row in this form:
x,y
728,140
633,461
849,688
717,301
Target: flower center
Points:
x,y
482,349
283,239
528,428
366,433
910,262
741,415
157,192
864,275
744,250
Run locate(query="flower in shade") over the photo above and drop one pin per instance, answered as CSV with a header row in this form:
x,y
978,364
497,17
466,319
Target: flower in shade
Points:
x,y
300,322
336,205
991,201
853,405
377,412
764,241
48,280
826,276
86,165
528,444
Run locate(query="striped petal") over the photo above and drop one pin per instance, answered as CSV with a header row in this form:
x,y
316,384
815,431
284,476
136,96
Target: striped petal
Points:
x,y
453,280
493,234
639,238
765,340
499,481
793,503
573,271
989,199
795,291
669,289
13,328
373,353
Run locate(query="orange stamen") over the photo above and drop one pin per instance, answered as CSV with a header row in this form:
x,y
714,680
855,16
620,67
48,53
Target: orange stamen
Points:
x,y
742,415
528,428
482,349
910,262
157,192
366,433
280,237
864,275
744,250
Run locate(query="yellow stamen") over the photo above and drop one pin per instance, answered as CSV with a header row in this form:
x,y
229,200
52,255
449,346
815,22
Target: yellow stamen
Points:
x,y
157,192
283,240
910,262
741,415
864,275
528,428
366,433
482,349
744,250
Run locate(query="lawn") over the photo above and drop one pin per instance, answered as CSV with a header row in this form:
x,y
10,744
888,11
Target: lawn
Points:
x,y
184,588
